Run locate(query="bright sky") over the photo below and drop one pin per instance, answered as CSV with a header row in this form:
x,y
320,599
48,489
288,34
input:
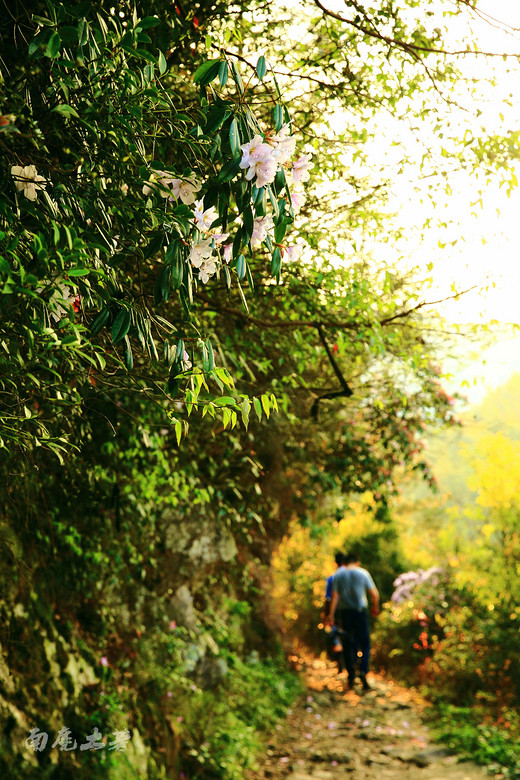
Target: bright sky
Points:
x,y
486,234
479,244
490,249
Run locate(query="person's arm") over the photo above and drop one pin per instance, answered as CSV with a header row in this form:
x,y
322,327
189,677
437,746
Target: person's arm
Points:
x,y
328,595
374,598
329,620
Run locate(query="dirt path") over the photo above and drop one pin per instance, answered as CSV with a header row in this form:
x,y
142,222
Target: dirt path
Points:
x,y
378,734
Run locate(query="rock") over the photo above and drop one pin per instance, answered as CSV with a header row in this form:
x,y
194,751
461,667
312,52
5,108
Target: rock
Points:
x,y
323,698
333,754
210,672
373,736
301,776
421,760
378,759
182,608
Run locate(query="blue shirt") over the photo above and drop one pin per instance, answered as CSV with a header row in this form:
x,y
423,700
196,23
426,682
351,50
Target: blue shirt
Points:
x,y
328,587
351,585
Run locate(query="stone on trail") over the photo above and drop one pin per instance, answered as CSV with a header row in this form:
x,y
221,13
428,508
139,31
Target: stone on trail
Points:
x,y
336,754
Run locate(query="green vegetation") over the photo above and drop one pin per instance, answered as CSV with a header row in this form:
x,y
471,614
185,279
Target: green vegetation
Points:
x,y
453,629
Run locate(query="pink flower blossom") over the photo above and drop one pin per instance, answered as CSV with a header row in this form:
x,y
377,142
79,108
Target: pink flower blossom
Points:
x,y
300,169
261,227
227,252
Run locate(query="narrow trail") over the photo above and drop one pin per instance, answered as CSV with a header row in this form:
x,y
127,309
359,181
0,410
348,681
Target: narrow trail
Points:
x,y
377,734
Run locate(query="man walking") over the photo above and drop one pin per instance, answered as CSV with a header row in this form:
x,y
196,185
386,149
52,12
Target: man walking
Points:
x,y
350,588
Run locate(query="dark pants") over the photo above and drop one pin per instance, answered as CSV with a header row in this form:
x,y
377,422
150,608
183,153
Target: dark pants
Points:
x,y
355,627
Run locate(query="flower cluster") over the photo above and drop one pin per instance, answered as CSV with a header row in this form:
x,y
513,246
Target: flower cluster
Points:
x,y
202,252
406,583
170,187
261,160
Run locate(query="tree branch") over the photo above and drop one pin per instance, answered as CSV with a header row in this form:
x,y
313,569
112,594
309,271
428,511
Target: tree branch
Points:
x,y
410,48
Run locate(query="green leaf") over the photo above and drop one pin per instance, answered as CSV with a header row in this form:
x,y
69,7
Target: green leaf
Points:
x,y
100,321
66,111
145,55
179,352
245,407
53,47
276,261
225,400
129,360
223,73
249,222
261,67
238,78
206,72
161,61
120,326
205,359
234,138
177,272
258,408
229,170
162,285
243,297
70,339
78,272
211,356
279,231
147,22
241,266
216,118
278,117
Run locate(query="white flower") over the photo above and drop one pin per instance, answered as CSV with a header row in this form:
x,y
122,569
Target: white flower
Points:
x,y
219,238
204,218
124,188
207,269
163,181
168,185
285,145
185,189
265,171
293,252
201,252
298,198
300,169
254,151
261,227
227,252
258,158
28,181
